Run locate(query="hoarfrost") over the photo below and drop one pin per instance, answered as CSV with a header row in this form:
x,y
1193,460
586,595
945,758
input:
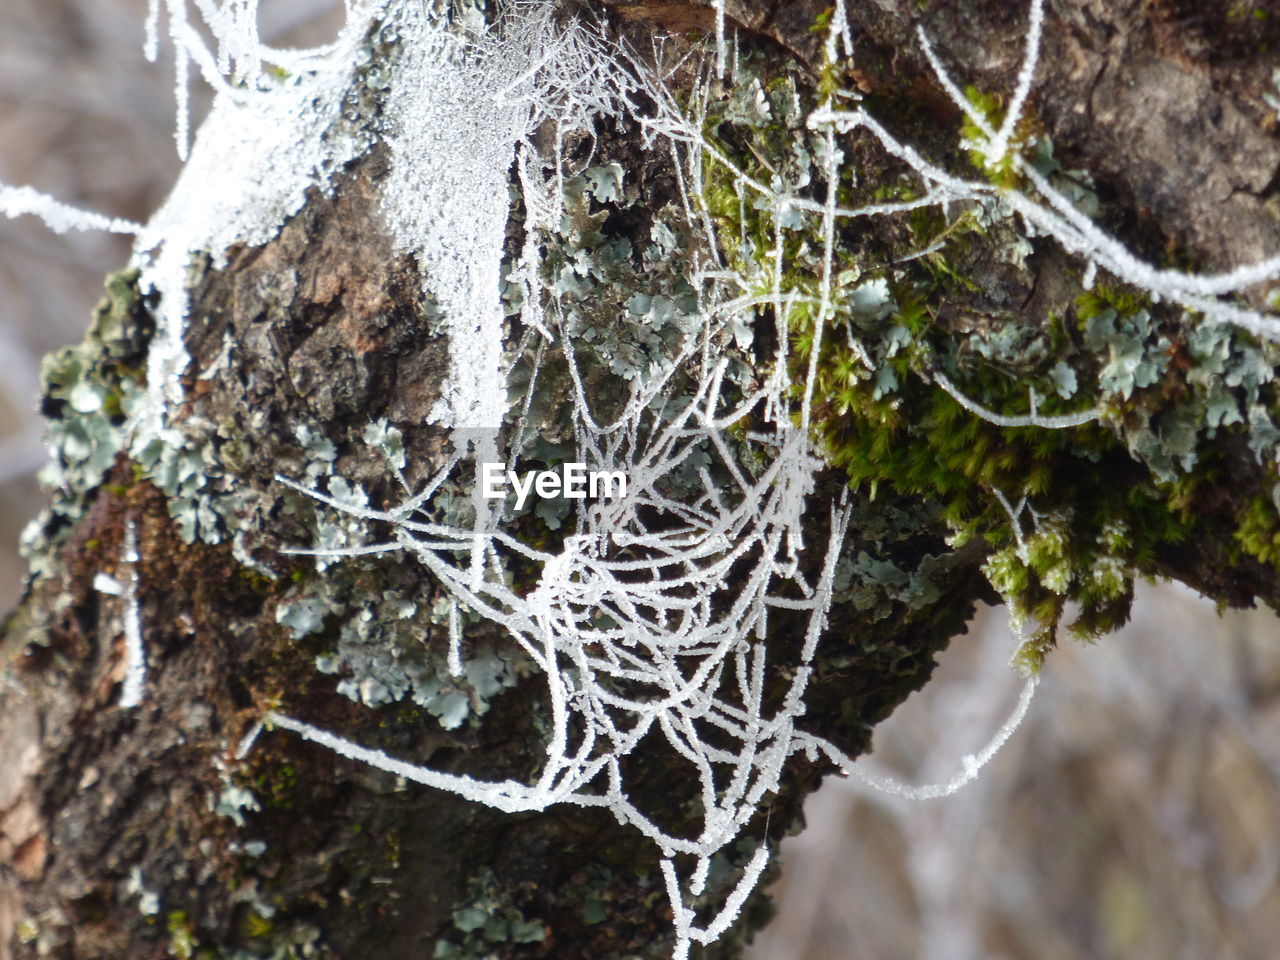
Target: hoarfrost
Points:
x,y
446,198
646,625
269,138
135,650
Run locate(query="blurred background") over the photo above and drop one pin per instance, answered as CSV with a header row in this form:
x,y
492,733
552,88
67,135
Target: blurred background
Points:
x,y
84,118
1135,815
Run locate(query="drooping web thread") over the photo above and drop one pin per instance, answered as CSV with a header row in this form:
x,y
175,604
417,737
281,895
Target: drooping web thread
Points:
x,y
649,623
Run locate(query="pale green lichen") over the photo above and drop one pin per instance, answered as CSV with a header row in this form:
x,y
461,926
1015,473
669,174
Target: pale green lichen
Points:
x,y
233,801
90,390
388,646
485,920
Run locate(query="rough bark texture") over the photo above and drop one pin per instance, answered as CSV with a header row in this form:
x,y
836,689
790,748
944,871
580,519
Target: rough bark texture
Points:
x,y
113,842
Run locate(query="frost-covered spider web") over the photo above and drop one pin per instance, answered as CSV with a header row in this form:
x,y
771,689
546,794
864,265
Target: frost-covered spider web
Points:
x,y
648,624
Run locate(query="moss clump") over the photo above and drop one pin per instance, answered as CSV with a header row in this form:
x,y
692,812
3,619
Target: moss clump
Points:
x,y
1259,531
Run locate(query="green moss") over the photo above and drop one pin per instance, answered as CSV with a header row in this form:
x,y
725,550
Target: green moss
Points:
x,y
1259,531
989,106
256,926
182,936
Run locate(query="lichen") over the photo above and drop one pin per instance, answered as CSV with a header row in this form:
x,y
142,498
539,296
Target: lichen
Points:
x,y
387,644
89,390
487,918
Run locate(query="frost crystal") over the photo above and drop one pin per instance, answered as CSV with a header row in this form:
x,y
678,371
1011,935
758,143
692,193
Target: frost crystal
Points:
x,y
270,137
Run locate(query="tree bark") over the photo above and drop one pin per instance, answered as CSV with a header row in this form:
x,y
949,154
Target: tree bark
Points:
x,y
141,833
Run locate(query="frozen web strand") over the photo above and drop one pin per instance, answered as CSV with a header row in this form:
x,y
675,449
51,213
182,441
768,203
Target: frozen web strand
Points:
x,y
722,56
135,651
971,764
59,217
510,797
996,142
838,33
1033,419
1197,292
237,55
999,144
1062,220
1076,233
248,740
151,32
949,86
686,933
1014,513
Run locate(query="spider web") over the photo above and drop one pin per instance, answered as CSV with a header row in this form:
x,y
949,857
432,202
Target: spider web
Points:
x,y
645,623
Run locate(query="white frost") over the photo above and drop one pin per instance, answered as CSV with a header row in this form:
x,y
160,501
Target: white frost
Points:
x,y
265,143
446,198
646,624
135,651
